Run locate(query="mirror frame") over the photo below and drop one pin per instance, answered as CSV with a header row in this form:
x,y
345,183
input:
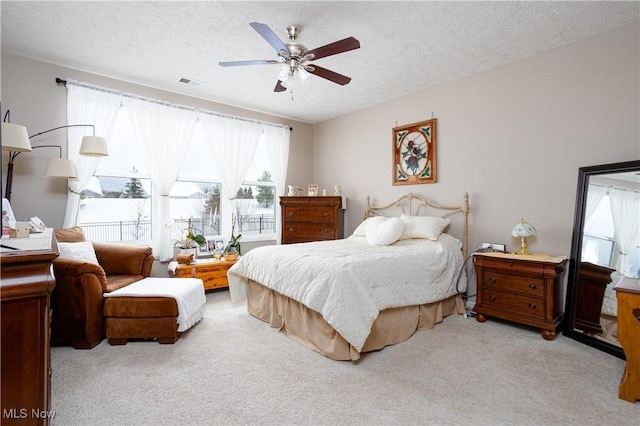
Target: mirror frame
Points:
x,y
584,173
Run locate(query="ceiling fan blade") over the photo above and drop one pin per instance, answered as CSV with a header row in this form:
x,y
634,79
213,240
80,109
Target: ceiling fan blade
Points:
x,y
255,62
268,34
279,87
334,48
328,74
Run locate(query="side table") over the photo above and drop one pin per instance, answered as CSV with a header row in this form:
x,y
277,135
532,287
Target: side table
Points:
x,y
526,289
213,273
628,295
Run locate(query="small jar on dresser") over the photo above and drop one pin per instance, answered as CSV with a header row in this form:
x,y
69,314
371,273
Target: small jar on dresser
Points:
x,y
526,289
307,219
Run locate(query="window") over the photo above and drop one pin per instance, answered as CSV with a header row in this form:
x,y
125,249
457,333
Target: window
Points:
x,y
116,206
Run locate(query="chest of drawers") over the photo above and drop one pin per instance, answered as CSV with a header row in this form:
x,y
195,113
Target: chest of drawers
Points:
x,y
307,219
520,288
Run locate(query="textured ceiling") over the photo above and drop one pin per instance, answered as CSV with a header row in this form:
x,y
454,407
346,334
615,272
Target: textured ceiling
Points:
x,y
406,46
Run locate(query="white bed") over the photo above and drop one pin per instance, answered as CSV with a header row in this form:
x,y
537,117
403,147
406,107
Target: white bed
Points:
x,y
345,297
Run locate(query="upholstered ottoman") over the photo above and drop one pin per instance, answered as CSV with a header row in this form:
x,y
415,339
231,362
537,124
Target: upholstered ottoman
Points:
x,y
153,308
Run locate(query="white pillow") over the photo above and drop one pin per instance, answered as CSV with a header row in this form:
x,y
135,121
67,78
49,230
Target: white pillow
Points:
x,y
428,227
361,230
382,231
79,251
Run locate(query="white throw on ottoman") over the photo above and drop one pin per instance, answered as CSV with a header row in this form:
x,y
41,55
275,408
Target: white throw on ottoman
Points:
x,y
153,308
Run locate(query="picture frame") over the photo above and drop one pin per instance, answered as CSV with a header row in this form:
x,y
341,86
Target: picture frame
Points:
x,y
203,250
219,244
312,190
414,153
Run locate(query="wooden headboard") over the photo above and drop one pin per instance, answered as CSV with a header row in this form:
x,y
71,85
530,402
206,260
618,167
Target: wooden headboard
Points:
x,y
413,204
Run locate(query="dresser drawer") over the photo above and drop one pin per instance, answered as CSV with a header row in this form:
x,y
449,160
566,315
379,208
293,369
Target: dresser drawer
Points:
x,y
513,283
307,232
511,265
522,305
308,214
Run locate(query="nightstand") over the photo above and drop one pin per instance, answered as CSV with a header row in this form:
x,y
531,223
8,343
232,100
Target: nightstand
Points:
x,y
526,289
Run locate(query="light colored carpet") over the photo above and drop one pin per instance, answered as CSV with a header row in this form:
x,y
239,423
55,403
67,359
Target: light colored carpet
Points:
x,y
234,369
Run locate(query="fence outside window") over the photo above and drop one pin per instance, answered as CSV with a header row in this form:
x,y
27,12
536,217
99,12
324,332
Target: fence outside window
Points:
x,y
140,230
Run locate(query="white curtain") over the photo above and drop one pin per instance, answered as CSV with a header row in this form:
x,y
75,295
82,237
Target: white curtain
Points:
x,y
625,210
86,106
278,140
233,143
595,195
164,133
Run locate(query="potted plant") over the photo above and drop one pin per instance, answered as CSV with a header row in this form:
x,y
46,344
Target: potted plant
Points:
x,y
190,240
233,249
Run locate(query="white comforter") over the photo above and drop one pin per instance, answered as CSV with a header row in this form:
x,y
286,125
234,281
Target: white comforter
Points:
x,y
350,281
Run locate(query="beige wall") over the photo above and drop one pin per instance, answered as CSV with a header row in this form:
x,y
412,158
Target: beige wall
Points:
x,y
512,137
37,102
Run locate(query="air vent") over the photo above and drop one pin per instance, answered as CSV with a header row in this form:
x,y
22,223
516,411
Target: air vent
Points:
x,y
190,82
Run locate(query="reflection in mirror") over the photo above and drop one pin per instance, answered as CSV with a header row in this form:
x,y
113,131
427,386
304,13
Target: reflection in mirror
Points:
x,y
605,249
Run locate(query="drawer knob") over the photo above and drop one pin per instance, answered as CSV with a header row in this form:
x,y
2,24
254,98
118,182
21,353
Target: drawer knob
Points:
x,y
532,306
290,229
532,286
492,298
510,264
326,214
492,280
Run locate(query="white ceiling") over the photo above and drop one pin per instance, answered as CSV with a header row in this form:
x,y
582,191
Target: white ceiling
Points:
x,y
406,46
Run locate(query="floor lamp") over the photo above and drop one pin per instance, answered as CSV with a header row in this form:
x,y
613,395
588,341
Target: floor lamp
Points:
x,y
16,140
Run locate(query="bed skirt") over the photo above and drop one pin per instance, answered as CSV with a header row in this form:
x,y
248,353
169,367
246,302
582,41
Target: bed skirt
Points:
x,y
307,326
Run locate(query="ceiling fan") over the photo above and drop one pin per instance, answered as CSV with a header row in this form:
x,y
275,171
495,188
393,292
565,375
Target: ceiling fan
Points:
x,y
295,57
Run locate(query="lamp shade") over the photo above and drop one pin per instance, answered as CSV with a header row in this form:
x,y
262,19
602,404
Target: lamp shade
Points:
x,y
523,229
15,138
94,146
61,167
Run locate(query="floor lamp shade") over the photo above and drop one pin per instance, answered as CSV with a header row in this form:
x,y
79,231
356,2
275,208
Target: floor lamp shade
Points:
x,y
61,167
15,138
94,146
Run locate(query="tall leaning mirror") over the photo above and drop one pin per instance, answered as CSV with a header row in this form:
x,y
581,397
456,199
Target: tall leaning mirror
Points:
x,y
604,249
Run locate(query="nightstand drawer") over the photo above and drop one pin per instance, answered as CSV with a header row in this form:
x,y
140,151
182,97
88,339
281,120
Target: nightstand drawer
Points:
x,y
308,214
511,265
513,283
522,305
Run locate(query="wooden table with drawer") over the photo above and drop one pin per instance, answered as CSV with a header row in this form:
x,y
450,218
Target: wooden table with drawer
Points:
x,y
213,273
526,289
307,219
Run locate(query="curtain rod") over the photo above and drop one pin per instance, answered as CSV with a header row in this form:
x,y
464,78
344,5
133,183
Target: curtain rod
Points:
x,y
234,117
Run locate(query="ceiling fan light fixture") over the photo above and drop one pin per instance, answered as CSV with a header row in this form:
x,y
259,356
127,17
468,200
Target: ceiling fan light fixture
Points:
x,y
303,74
295,56
283,73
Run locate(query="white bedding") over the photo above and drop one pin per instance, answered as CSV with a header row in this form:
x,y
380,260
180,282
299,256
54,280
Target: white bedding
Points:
x,y
350,281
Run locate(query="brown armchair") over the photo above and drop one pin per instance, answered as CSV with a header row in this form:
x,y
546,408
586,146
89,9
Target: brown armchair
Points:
x,y
77,299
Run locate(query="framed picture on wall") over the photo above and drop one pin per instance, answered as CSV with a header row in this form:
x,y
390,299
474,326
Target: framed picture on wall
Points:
x,y
414,153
